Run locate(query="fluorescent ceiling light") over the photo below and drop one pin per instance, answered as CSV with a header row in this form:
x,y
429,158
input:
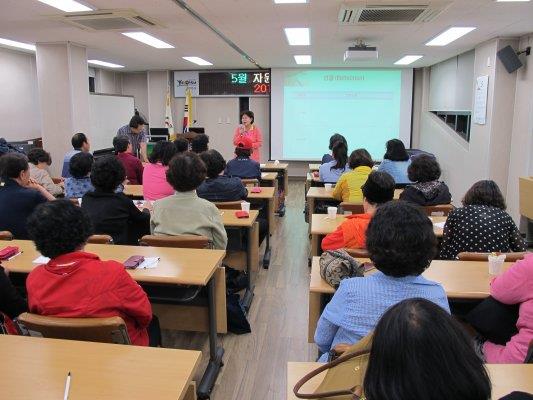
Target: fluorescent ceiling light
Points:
x,y
406,60
289,1
148,39
509,1
302,59
18,45
67,5
449,35
297,36
105,64
197,60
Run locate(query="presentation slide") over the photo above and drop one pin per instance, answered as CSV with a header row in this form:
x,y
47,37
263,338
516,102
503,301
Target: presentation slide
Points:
x,y
368,107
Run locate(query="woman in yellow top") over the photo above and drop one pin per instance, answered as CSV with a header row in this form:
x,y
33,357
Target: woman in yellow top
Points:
x,y
348,187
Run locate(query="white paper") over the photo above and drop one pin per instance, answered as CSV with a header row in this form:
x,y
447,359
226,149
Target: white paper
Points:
x,y
480,99
149,262
439,225
263,174
41,260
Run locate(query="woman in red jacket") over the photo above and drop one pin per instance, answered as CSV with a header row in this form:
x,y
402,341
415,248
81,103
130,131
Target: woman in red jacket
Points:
x,y
249,130
78,284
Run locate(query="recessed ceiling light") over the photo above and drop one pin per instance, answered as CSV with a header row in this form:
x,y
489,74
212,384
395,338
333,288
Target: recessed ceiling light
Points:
x,y
18,45
449,35
290,1
67,5
406,60
297,36
306,59
105,64
148,39
197,60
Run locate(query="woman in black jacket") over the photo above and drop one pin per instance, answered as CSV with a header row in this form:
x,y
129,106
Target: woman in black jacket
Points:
x,y
11,303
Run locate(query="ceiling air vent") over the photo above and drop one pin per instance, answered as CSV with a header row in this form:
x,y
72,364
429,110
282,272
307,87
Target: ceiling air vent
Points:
x,y
108,20
361,13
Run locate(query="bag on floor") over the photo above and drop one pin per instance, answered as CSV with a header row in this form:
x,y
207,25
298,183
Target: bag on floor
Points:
x,y
236,318
336,265
344,377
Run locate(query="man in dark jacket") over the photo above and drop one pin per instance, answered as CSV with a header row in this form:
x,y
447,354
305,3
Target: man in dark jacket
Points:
x,y
243,166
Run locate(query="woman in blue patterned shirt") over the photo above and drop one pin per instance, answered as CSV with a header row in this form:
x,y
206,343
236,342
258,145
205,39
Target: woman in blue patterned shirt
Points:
x,y
401,244
79,181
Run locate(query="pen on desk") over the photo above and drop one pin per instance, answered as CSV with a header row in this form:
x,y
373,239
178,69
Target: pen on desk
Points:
x,y
14,255
67,387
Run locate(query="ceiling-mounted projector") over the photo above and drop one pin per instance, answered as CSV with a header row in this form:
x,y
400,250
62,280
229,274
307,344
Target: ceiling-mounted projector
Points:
x,y
360,51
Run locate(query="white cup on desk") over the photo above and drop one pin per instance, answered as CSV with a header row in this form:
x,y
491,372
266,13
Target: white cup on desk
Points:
x,y
496,264
332,212
328,186
245,206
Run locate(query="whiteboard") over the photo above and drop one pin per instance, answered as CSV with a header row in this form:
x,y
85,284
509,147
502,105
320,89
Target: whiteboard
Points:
x,y
107,114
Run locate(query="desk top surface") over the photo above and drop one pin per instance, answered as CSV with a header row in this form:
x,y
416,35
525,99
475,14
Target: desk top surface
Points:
x,y
268,176
314,167
176,266
266,193
270,166
229,219
38,369
318,192
460,279
505,378
137,191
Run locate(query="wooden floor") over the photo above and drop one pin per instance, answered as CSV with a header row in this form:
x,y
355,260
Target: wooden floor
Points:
x,y
255,364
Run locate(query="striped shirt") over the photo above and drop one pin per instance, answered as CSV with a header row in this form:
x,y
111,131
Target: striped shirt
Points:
x,y
135,138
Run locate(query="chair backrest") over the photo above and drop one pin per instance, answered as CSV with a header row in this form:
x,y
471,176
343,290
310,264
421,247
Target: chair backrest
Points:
x,y
178,241
355,208
228,205
439,209
250,182
105,330
100,239
6,235
471,256
529,356
358,253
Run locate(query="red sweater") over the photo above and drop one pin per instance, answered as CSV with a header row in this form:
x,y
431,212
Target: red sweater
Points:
x,y
351,234
79,284
133,166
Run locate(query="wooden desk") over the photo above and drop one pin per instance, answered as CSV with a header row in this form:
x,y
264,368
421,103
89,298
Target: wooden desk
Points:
x,y
283,173
525,189
36,368
460,280
270,179
266,197
321,225
134,191
505,378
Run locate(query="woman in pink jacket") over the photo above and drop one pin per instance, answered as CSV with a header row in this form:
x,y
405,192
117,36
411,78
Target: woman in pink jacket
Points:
x,y
248,129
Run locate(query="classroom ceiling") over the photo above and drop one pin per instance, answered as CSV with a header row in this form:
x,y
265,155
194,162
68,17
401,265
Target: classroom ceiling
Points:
x,y
256,27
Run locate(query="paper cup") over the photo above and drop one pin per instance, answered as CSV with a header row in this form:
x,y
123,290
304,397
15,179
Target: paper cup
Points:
x,y
276,162
496,264
328,186
332,212
245,206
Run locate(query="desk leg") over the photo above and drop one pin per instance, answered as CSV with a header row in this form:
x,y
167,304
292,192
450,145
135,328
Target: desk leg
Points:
x,y
286,181
310,210
314,314
215,352
270,226
251,257
315,245
276,195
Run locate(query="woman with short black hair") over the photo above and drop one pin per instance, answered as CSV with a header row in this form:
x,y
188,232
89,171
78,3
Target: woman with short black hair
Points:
x,y
481,225
78,284
396,161
200,143
184,213
155,185
427,190
420,352
40,160
79,181
348,187
113,213
217,186
181,145
401,244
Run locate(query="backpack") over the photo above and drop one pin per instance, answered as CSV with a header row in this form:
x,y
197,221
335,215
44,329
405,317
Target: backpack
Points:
x,y
336,265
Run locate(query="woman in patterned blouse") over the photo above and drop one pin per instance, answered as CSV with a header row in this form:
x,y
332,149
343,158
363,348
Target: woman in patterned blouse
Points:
x,y
481,225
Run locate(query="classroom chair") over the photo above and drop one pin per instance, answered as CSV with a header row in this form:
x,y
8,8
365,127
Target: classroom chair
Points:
x,y
471,256
6,235
178,241
104,330
439,209
358,253
354,208
100,239
228,205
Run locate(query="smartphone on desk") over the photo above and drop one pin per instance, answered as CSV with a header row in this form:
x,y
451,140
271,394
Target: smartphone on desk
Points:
x,y
133,262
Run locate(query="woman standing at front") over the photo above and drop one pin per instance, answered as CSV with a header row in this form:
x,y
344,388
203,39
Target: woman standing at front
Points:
x,y
248,129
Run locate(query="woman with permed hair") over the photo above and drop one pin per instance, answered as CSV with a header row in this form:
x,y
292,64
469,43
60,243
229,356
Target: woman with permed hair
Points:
x,y
481,225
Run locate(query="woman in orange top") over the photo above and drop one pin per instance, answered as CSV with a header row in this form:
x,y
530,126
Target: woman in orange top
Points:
x,y
351,234
248,129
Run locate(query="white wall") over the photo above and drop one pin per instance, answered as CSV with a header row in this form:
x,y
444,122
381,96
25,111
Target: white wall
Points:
x,y
108,82
136,85
19,98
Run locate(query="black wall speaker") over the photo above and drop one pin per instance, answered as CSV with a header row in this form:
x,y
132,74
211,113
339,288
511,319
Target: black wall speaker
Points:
x,y
509,59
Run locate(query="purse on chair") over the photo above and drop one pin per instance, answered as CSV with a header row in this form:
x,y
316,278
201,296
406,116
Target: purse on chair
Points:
x,y
344,377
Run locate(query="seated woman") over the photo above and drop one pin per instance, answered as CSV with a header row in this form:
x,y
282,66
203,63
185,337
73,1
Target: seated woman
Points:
x,y
113,213
181,145
155,185
243,166
336,137
11,302
330,172
424,170
377,190
421,352
348,187
481,225
396,161
79,181
78,284
19,195
401,244
217,186
184,213
200,143
40,160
